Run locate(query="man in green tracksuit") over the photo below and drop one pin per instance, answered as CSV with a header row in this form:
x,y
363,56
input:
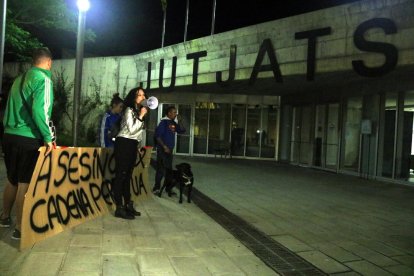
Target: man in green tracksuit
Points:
x,y
26,128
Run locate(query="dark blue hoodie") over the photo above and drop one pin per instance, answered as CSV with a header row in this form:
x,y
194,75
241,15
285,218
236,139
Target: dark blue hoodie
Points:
x,y
166,130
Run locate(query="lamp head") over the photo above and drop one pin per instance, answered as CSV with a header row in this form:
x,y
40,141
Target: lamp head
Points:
x,y
83,5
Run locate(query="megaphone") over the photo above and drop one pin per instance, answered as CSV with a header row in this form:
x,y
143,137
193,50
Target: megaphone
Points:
x,y
151,102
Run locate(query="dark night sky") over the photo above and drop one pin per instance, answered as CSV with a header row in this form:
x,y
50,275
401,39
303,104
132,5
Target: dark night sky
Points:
x,y
127,27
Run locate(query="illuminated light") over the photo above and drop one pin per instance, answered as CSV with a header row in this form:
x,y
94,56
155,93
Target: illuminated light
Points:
x,y
83,5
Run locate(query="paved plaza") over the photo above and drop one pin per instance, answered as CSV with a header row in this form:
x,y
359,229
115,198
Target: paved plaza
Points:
x,y
343,225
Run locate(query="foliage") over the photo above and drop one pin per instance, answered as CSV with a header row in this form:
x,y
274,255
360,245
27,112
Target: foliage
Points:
x,y
19,42
61,90
164,5
67,140
62,104
90,104
23,16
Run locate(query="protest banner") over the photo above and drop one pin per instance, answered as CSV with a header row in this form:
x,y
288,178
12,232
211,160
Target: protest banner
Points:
x,y
73,185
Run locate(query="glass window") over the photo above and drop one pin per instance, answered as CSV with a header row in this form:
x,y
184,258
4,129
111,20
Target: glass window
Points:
x,y
219,129
238,129
201,127
389,125
183,140
269,132
320,123
332,136
150,126
404,160
295,144
305,135
254,131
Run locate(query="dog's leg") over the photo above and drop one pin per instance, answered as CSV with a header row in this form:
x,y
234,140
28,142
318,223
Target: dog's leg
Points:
x,y
181,192
190,188
163,187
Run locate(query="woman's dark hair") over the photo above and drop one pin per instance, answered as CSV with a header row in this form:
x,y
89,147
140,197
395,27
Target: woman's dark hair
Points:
x,y
116,100
129,100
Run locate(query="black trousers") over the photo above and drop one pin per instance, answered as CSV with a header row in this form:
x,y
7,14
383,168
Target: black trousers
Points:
x,y
125,151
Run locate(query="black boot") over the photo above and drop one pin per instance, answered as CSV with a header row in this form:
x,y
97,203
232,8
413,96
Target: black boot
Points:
x,y
121,212
130,209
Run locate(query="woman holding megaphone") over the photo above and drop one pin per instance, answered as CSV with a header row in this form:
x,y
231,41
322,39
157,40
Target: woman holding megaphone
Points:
x,y
125,150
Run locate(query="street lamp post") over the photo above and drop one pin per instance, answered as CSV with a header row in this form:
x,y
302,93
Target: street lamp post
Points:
x,y
83,6
2,39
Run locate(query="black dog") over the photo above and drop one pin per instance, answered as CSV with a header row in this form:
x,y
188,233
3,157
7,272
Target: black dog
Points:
x,y
182,177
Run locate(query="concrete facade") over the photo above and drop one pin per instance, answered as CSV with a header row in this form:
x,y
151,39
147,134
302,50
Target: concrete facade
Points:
x,y
297,89
334,53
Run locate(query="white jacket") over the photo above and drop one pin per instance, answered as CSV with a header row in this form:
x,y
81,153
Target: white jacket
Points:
x,y
131,126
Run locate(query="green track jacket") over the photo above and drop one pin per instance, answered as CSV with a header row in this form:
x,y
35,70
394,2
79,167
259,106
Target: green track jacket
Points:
x,y
38,92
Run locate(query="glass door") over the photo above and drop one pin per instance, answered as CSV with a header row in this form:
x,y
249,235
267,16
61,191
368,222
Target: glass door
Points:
x,y
201,118
219,128
254,131
332,137
268,132
326,136
301,135
238,127
183,142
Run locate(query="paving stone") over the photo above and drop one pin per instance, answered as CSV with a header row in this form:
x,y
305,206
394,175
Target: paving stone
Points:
x,y
252,265
189,266
147,242
91,226
233,247
270,228
367,268
81,273
400,270
119,265
10,256
80,258
336,252
368,254
292,243
40,263
122,244
88,240
154,263
323,262
177,246
382,248
58,243
168,235
200,241
218,262
408,260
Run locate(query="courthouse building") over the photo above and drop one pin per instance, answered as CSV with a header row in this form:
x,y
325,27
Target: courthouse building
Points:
x,y
331,89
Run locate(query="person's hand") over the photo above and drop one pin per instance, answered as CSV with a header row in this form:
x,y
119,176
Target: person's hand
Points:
x,y
49,147
166,149
143,111
177,117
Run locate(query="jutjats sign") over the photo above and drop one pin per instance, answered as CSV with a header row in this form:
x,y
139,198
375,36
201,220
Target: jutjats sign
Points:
x,y
73,185
388,50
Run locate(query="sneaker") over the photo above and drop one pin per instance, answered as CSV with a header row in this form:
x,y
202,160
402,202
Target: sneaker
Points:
x,y
6,222
16,235
156,191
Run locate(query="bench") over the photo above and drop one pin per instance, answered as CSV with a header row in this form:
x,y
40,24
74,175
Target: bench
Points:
x,y
223,149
